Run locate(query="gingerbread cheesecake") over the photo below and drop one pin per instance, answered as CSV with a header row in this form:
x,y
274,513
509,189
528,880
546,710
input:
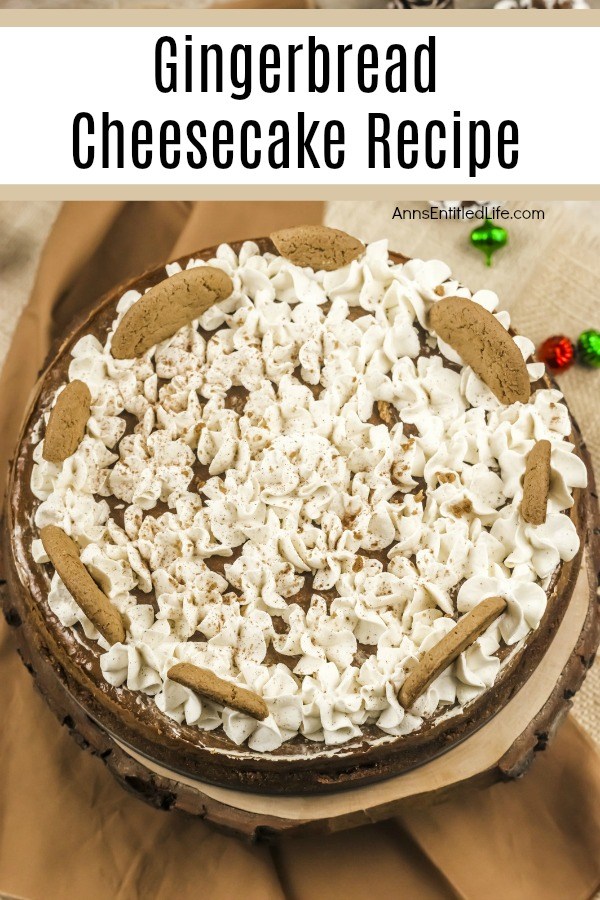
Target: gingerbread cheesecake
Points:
x,y
294,514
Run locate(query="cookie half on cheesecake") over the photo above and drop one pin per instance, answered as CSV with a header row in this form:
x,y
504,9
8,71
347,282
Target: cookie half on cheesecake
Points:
x,y
295,514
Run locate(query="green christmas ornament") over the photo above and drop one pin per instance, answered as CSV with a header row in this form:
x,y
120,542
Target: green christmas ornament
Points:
x,y
588,348
488,238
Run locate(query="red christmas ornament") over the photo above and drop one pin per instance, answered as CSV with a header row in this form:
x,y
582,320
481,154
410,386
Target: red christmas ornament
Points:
x,y
558,352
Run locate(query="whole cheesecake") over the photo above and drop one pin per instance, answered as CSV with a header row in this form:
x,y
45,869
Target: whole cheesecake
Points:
x,y
294,514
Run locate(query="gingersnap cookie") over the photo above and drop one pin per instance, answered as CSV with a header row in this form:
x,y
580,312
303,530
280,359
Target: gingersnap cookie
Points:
x,y
66,425
536,483
484,344
205,682
317,246
167,307
64,556
433,663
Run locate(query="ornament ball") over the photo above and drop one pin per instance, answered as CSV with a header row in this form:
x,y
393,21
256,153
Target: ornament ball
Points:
x,y
588,348
557,352
488,238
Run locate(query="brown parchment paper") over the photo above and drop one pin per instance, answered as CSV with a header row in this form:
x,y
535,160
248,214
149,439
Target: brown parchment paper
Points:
x,y
67,830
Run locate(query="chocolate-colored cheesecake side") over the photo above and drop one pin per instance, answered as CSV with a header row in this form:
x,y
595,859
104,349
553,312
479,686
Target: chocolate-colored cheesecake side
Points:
x,y
133,718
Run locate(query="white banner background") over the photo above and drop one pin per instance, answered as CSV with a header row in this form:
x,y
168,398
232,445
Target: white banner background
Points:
x,y
543,78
